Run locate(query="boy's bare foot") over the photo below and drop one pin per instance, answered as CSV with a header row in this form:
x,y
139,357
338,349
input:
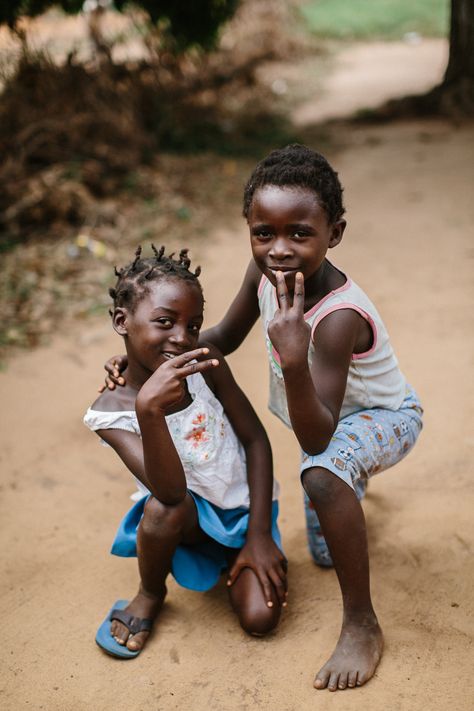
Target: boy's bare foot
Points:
x,y
355,658
145,606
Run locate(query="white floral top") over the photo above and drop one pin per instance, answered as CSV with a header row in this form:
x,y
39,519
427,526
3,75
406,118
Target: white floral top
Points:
x,y
213,458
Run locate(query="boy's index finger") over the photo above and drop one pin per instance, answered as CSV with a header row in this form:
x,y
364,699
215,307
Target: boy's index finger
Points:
x,y
298,297
282,291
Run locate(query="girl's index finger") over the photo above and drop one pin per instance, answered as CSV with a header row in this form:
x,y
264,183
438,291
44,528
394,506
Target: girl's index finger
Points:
x,y
298,297
188,362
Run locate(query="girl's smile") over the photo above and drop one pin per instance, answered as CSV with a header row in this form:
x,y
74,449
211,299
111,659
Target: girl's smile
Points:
x,y
289,232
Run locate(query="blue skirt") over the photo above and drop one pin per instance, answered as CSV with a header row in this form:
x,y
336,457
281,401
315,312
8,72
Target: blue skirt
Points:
x,y
199,566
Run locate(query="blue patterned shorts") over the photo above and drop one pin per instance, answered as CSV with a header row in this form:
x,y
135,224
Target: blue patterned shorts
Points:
x,y
364,443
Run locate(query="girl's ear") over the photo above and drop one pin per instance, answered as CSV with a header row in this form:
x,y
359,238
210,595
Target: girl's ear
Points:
x,y
337,232
119,321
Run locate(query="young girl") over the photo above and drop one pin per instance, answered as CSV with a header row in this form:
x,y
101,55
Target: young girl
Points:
x,y
200,456
334,378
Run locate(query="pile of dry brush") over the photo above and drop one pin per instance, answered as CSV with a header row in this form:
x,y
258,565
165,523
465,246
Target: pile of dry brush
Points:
x,y
71,133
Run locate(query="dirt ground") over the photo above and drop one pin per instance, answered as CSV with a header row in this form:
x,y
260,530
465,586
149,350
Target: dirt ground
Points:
x,y
409,244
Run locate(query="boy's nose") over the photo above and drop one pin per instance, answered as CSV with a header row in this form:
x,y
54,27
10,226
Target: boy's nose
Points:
x,y
280,249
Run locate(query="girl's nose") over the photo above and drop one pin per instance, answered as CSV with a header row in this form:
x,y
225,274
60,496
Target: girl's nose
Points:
x,y
180,336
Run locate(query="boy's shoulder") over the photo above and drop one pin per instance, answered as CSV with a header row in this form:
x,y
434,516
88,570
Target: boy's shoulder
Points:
x,y
122,399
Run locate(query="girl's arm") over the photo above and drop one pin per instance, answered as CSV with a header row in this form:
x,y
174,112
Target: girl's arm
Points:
x,y
315,394
159,466
260,551
227,335
232,330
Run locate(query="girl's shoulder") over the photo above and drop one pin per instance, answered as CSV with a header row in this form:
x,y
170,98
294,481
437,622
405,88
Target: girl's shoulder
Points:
x,y
121,399
113,409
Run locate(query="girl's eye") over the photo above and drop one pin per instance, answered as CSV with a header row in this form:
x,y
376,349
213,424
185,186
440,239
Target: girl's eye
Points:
x,y
195,328
298,235
164,322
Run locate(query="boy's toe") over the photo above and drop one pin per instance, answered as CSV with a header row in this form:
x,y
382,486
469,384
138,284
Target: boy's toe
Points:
x,y
342,681
333,681
321,680
352,680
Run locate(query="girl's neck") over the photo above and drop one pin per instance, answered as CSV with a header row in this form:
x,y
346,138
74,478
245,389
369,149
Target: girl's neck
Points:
x,y
135,375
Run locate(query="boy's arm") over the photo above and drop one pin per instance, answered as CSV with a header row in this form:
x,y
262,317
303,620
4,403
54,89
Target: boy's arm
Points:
x,y
229,333
315,394
260,552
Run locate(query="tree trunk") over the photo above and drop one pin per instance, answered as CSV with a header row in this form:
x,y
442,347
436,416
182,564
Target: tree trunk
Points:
x,y
454,97
457,88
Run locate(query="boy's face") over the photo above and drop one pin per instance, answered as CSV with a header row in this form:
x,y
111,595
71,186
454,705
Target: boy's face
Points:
x,y
289,232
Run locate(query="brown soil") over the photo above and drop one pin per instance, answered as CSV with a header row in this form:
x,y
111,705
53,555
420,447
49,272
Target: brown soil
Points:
x,y
410,212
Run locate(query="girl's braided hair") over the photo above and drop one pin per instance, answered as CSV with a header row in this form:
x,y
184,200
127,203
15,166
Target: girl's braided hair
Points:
x,y
133,280
298,166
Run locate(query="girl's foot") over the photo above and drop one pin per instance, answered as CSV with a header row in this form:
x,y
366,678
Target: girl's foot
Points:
x,y
355,658
145,606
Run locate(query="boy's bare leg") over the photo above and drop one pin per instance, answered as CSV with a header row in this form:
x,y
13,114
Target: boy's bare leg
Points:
x,y
360,644
161,530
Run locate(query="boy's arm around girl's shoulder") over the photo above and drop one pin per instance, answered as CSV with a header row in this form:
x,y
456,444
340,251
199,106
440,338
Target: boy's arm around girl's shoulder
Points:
x,y
241,315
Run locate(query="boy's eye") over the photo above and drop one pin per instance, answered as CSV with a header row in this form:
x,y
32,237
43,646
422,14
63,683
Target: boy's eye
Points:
x,y
262,234
195,328
164,321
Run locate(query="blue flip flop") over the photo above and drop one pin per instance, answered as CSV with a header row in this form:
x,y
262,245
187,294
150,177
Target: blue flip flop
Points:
x,y
135,624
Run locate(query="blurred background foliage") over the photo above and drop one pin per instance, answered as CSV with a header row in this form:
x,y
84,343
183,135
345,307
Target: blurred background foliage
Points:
x,y
137,120
384,19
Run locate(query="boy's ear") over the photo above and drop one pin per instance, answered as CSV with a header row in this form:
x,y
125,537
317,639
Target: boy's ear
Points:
x,y
119,321
337,232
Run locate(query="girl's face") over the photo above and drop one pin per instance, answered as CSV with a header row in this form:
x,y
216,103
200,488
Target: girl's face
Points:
x,y
166,322
289,232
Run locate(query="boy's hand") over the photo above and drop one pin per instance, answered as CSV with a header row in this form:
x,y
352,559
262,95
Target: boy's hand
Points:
x,y
166,386
262,555
114,367
288,331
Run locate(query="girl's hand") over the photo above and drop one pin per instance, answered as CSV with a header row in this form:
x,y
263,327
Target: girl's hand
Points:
x,y
262,555
288,331
166,386
114,367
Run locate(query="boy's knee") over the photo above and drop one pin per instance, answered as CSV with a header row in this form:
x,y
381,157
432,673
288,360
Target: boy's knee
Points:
x,y
320,484
161,518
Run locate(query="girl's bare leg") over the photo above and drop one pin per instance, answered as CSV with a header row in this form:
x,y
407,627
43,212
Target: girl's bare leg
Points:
x,y
161,530
360,644
249,604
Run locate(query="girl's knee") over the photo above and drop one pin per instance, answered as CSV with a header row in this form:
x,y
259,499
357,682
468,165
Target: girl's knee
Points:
x,y
161,518
249,602
259,621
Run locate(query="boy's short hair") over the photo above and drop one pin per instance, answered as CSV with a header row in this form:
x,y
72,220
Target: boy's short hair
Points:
x,y
298,166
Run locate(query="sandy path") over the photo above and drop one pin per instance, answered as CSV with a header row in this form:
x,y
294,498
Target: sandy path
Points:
x,y
410,211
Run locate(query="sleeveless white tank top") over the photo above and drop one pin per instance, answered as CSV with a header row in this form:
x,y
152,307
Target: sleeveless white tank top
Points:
x,y
374,378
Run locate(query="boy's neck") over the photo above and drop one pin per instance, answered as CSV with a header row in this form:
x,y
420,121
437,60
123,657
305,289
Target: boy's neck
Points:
x,y
321,283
